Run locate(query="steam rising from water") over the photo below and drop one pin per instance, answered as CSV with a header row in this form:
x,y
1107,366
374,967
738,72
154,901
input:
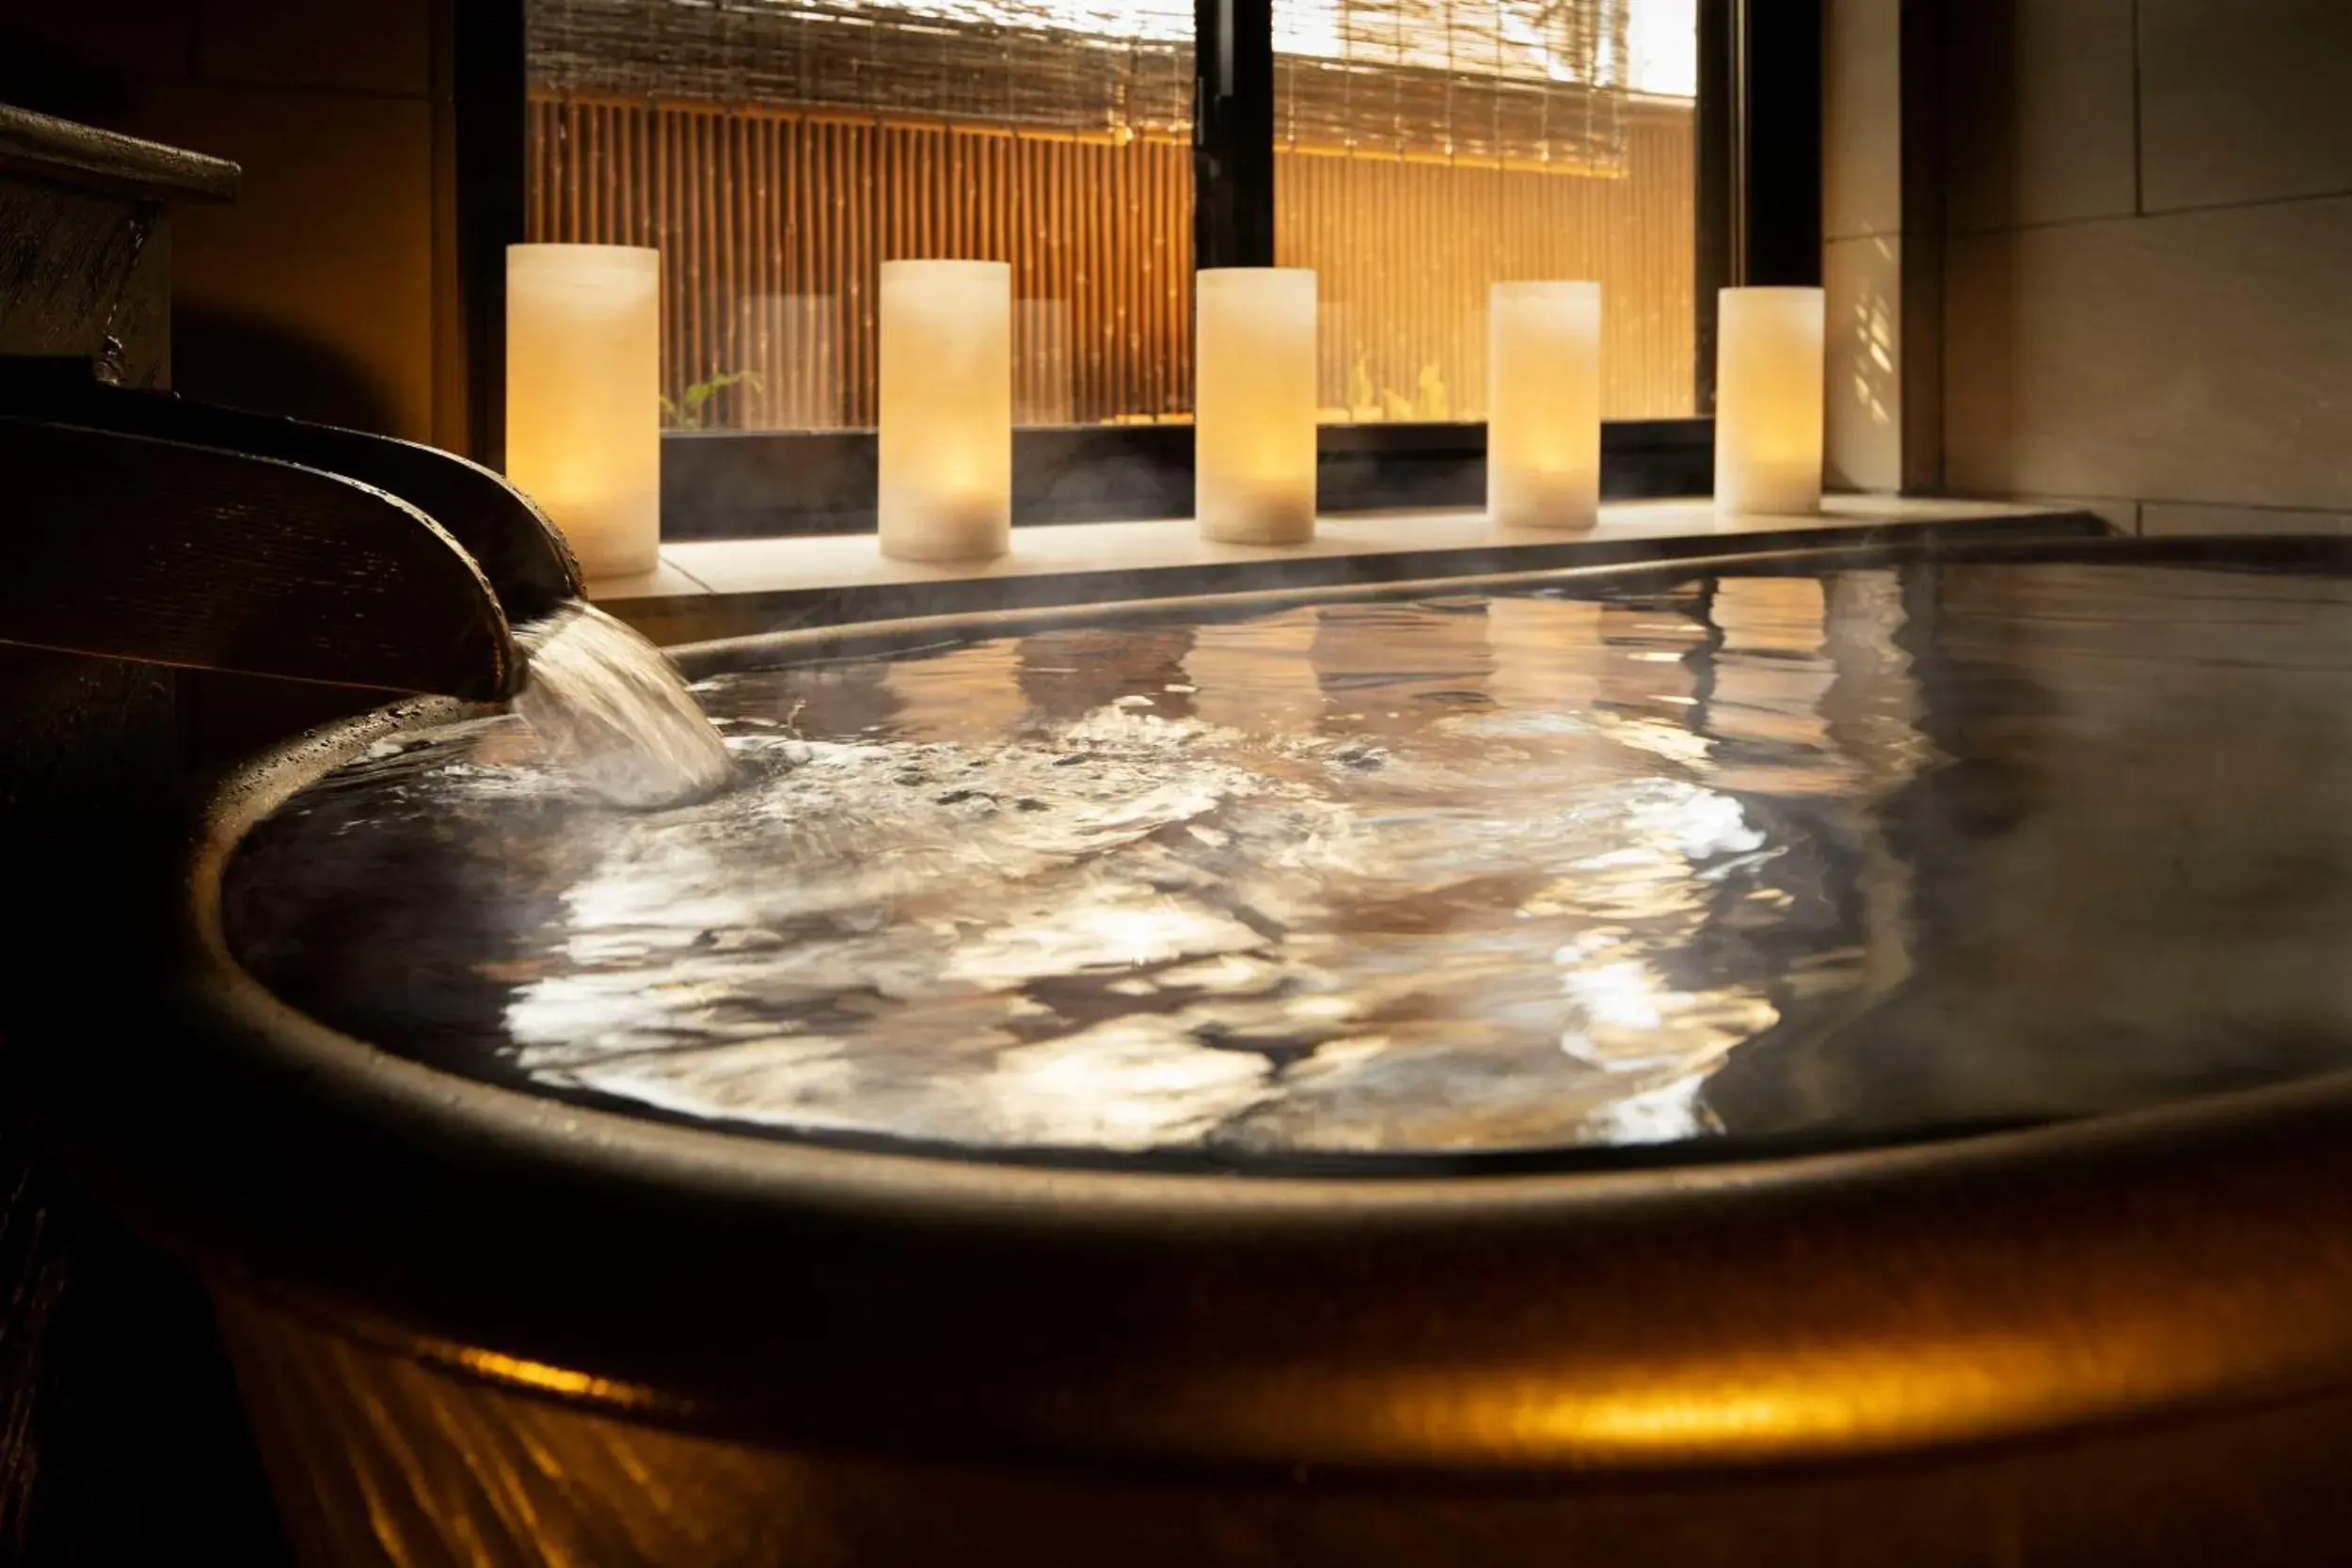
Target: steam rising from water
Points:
x,y
1870,855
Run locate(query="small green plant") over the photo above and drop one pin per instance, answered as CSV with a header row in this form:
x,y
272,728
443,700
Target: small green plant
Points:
x,y
1432,401
1368,399
695,412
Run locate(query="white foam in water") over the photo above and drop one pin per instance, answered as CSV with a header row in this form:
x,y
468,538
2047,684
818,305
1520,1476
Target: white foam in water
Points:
x,y
1854,858
613,712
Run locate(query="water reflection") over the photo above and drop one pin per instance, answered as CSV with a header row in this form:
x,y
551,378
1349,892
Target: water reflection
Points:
x,y
1067,675
1257,675
1866,854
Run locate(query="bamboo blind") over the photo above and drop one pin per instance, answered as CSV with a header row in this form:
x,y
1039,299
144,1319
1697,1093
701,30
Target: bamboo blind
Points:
x,y
1080,66
1531,81
1537,83
772,221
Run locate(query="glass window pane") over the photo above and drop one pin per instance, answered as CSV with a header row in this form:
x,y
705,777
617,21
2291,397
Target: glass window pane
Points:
x,y
778,150
1427,149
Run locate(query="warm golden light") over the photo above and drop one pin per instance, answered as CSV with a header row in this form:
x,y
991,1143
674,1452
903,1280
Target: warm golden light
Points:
x,y
1543,405
1254,401
583,399
1769,400
947,410
1257,674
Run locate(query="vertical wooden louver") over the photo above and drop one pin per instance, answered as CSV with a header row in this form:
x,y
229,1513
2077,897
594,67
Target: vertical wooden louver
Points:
x,y
1407,188
773,224
1405,252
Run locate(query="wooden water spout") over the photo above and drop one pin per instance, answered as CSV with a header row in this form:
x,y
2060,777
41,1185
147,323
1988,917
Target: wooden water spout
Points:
x,y
147,528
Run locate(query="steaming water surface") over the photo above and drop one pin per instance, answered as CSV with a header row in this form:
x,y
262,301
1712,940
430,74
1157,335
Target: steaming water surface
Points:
x,y
1869,855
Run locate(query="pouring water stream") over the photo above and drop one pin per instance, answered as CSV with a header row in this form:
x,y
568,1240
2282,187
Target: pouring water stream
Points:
x,y
612,711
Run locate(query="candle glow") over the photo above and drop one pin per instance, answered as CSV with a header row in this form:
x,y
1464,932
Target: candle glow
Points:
x,y
583,397
1254,405
945,458
1543,405
1770,401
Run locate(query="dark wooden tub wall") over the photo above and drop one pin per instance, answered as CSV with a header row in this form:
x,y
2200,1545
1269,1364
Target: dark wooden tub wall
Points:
x,y
120,1436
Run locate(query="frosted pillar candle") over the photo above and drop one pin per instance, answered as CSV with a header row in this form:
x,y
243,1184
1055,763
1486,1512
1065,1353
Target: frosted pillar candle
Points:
x,y
1768,398
1543,405
1254,404
583,397
947,410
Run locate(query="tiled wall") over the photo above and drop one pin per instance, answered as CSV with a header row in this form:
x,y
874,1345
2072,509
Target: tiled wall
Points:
x,y
319,292
2149,259
1862,223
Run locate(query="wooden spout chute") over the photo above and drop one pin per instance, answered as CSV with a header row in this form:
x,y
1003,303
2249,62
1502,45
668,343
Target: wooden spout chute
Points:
x,y
172,553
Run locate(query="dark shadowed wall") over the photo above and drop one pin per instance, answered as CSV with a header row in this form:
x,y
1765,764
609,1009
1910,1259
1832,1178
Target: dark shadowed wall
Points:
x,y
329,290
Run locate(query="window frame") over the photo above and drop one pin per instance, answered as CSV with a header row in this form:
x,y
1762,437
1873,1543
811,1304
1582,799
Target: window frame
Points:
x,y
1758,203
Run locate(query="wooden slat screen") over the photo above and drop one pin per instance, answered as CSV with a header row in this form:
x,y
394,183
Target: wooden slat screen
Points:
x,y
771,222
1404,253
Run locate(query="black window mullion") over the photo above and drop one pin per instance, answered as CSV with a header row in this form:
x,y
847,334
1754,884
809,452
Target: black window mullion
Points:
x,y
1778,84
1719,259
1232,133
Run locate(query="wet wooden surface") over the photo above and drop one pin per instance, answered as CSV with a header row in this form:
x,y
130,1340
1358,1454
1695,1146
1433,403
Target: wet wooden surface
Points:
x,y
104,163
71,273
121,1439
183,555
